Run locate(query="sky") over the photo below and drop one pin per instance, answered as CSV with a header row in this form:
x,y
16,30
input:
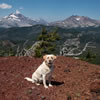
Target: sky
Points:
x,y
51,10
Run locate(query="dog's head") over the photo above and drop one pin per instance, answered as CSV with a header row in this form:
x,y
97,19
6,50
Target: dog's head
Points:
x,y
49,59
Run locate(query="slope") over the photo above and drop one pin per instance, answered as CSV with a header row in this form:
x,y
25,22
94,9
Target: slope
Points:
x,y
72,80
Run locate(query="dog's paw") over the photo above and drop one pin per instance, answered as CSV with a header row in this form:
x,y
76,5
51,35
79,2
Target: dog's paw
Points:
x,y
50,85
37,84
33,82
46,87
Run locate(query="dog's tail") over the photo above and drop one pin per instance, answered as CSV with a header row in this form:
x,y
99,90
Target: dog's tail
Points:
x,y
29,79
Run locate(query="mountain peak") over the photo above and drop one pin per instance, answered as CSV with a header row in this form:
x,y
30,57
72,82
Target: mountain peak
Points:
x,y
19,20
78,17
17,12
12,17
75,21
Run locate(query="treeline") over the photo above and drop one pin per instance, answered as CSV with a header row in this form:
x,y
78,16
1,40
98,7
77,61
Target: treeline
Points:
x,y
47,44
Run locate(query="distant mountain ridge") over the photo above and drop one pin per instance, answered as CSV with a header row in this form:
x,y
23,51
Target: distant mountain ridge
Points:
x,y
74,21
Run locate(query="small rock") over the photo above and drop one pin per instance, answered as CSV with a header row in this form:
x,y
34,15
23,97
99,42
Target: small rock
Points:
x,y
69,98
67,70
33,88
38,94
29,91
59,66
43,97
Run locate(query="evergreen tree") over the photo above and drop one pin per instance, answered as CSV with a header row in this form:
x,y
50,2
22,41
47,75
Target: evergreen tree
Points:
x,y
48,42
88,56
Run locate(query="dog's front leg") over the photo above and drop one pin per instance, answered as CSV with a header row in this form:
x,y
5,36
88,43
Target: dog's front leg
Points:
x,y
44,81
49,79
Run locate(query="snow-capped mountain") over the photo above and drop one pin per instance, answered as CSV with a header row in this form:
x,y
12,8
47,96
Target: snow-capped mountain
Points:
x,y
76,21
19,20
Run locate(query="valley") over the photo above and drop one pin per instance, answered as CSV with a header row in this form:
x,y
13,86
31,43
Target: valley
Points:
x,y
73,40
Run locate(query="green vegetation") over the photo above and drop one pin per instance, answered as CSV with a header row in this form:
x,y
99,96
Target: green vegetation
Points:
x,y
18,36
48,42
7,52
91,57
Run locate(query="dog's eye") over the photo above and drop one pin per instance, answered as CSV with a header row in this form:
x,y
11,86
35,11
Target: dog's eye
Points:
x,y
51,57
47,57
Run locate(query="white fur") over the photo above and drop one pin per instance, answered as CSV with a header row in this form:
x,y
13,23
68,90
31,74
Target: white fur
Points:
x,y
43,71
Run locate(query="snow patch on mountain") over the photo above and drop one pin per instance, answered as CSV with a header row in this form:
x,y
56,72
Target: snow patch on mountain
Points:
x,y
13,17
17,12
78,19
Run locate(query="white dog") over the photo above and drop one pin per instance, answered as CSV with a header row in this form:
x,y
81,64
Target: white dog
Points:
x,y
43,71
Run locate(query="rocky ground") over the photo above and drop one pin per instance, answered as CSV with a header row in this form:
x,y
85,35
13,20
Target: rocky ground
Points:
x,y
72,80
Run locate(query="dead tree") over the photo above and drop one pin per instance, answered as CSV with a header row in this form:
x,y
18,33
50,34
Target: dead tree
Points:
x,y
20,50
70,52
31,52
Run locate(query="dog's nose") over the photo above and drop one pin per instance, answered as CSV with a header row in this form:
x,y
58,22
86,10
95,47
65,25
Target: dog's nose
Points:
x,y
50,60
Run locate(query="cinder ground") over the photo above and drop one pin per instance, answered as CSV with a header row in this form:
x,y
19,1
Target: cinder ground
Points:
x,y
72,80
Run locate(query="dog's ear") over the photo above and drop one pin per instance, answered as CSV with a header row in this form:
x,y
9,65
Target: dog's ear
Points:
x,y
44,57
55,57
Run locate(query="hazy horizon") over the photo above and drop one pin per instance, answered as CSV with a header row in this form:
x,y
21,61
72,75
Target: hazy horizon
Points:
x,y
51,10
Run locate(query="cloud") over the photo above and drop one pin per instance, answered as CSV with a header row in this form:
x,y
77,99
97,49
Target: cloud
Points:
x,y
5,6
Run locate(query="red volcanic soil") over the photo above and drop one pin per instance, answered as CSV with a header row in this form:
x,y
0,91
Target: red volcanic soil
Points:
x,y
72,80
